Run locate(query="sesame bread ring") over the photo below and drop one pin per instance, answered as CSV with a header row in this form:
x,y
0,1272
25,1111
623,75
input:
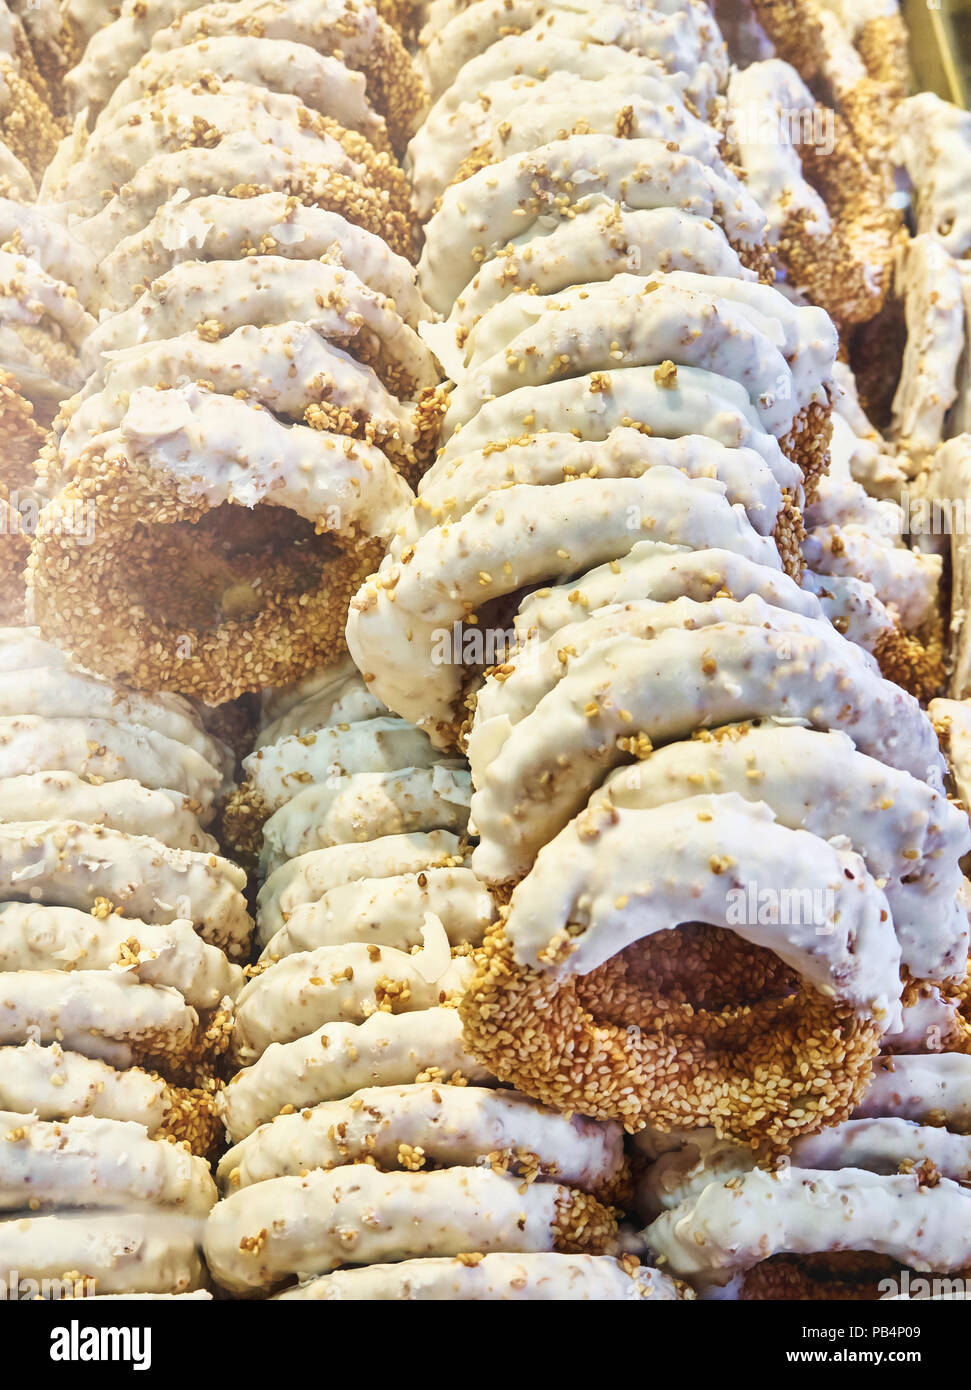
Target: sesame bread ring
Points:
x,y
492,1278
931,1089
952,720
451,489
885,1146
537,671
910,837
907,583
107,1015
307,879
319,80
205,114
311,1225
335,984
411,1127
385,1050
221,296
87,1162
651,570
604,239
683,39
16,182
364,41
366,806
505,200
69,865
830,222
219,228
121,1252
107,752
521,113
566,343
244,165
728,1230
47,692
55,1084
345,700
567,528
388,912
666,401
566,918
125,805
289,368
42,329
929,283
932,142
34,232
63,938
569,741
278,772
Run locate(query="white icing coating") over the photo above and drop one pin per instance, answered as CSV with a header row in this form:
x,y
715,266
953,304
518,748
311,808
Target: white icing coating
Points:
x,y
453,1126
65,864
123,1252
309,989
335,1061
933,143
537,1277
367,806
928,282
388,912
63,938
97,1163
313,1223
502,201
55,1084
218,228
921,1089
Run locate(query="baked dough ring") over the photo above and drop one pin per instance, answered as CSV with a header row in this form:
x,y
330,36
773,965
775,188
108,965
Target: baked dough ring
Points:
x,y
43,327
922,1089
602,240
388,912
742,673
505,200
683,39
307,879
547,534
729,1230
311,1225
365,42
450,1126
367,806
105,1015
121,1252
320,80
62,938
538,1277
85,1162
263,290
246,165
66,864
126,806
310,989
932,140
220,228
336,1061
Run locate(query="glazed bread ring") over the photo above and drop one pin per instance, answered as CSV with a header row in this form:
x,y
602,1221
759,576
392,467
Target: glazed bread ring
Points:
x,y
85,1162
121,1252
262,1234
126,806
341,1058
449,1126
63,938
540,1277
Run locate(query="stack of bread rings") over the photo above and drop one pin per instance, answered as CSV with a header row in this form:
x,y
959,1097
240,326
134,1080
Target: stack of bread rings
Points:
x,y
460,503
362,1132
121,933
252,397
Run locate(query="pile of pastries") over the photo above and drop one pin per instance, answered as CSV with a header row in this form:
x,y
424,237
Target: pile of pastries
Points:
x,y
486,693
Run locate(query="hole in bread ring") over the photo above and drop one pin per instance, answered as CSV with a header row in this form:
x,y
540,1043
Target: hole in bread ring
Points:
x,y
611,1045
